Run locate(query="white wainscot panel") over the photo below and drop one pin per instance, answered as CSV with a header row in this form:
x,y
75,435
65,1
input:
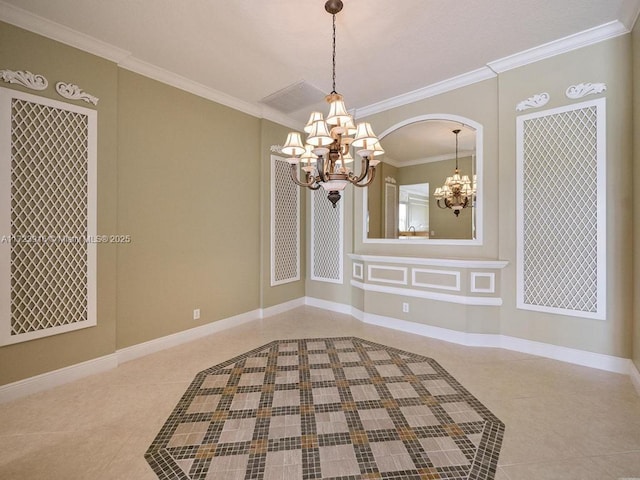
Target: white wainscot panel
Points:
x,y
483,282
358,271
438,279
387,274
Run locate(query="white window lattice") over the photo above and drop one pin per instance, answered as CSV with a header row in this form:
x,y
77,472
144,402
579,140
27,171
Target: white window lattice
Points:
x,y
48,266
326,238
285,224
561,194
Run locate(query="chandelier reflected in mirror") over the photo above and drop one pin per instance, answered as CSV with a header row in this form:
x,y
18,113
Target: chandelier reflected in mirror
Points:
x,y
325,160
458,191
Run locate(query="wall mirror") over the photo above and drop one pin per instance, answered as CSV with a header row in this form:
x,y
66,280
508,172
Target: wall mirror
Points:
x,y
400,205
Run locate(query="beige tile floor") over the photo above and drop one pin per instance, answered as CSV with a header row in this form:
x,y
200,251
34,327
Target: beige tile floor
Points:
x,y
562,421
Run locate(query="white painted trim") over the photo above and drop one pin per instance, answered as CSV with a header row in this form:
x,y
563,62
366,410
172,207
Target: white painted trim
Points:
x,y
6,96
560,46
634,375
175,80
328,305
157,344
339,248
436,262
479,182
272,230
74,92
24,78
492,282
55,378
564,354
601,260
55,31
50,29
45,381
390,196
373,278
42,26
358,271
534,101
442,297
68,374
432,90
583,89
282,307
415,283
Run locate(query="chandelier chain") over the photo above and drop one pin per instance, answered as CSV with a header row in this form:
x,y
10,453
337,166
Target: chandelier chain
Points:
x,y
334,54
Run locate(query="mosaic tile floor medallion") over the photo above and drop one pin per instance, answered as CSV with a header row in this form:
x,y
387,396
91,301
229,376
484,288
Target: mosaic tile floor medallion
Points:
x,y
329,408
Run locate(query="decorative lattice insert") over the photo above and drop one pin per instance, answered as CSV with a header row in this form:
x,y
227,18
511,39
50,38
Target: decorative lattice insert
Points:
x,y
51,266
327,238
285,225
560,230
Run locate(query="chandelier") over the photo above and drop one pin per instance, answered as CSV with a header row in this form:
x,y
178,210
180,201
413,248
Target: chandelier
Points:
x,y
457,192
325,157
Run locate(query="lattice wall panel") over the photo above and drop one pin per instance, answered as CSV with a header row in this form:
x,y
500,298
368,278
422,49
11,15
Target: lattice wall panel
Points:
x,y
327,238
391,210
561,195
285,225
50,263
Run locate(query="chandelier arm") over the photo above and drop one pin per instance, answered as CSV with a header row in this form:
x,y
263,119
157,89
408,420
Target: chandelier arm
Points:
x,y
320,166
365,170
372,175
293,171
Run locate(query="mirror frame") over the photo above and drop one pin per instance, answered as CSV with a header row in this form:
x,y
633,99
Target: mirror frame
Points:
x,y
479,181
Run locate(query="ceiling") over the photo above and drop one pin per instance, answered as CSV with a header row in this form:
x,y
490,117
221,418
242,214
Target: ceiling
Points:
x,y
246,50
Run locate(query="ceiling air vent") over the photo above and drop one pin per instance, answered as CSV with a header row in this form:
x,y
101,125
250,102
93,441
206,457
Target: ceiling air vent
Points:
x,y
294,97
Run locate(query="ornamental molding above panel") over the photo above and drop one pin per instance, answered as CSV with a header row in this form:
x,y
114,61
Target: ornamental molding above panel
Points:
x,y
582,89
74,92
276,148
24,78
535,101
390,180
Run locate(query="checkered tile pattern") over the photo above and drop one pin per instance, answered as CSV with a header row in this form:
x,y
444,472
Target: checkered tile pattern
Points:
x,y
331,408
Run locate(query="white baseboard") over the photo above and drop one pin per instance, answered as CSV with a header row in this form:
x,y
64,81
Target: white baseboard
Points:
x,y
634,374
45,381
328,305
564,354
175,339
282,307
55,378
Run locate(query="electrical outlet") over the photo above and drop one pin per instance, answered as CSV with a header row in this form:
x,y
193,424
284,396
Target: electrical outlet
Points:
x,y
405,307
196,314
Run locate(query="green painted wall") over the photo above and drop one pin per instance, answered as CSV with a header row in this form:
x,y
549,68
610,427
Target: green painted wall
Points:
x,y
22,50
607,62
635,55
177,173
196,234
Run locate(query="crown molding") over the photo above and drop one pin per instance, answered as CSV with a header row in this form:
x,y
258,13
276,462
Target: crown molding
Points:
x,y
42,26
124,59
55,31
563,45
629,14
175,80
432,90
434,158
